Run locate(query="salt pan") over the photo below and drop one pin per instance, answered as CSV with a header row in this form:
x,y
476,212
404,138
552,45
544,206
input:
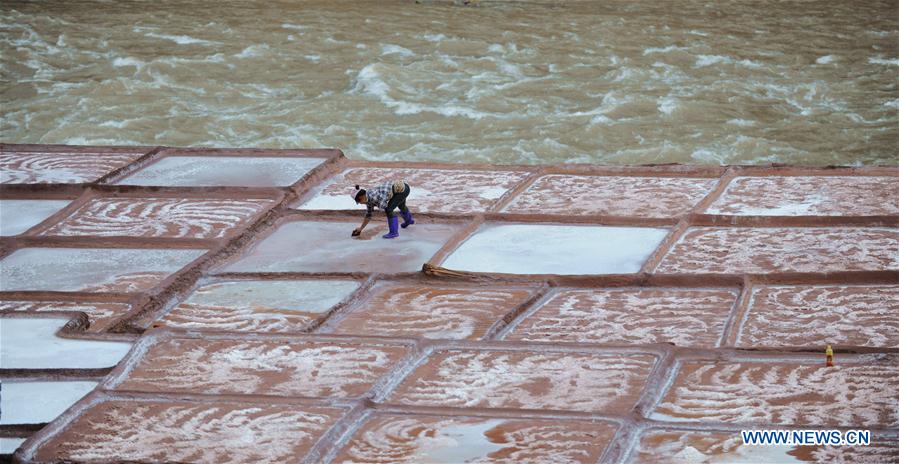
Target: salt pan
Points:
x,y
33,344
553,249
308,296
38,402
9,445
17,216
327,247
83,269
223,171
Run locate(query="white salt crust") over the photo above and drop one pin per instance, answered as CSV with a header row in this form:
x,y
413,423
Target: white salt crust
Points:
x,y
33,344
312,296
327,247
447,443
210,171
158,217
9,445
809,196
74,269
38,402
552,249
17,216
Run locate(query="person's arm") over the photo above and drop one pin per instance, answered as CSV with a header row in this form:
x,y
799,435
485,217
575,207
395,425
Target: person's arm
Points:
x,y
359,230
368,212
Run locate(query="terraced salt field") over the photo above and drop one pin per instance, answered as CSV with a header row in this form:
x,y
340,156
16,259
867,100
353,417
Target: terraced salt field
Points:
x,y
612,196
162,312
158,217
55,165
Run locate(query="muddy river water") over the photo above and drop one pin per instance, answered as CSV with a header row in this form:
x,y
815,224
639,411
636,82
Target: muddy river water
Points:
x,y
618,82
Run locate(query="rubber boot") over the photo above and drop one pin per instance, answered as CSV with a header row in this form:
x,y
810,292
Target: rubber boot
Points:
x,y
393,223
407,219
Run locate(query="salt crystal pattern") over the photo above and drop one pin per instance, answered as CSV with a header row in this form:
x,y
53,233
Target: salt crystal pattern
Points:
x,y
181,431
158,217
242,367
820,315
682,317
749,250
854,394
389,438
649,197
530,370
431,312
60,168
809,196
101,316
523,380
258,305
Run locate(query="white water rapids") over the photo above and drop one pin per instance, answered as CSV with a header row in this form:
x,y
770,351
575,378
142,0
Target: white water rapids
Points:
x,y
616,82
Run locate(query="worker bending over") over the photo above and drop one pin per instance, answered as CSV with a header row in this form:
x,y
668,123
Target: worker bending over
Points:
x,y
388,196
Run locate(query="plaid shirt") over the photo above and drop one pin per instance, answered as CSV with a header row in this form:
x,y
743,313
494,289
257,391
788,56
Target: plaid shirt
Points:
x,y
378,197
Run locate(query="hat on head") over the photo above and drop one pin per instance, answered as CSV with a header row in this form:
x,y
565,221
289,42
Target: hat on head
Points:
x,y
357,192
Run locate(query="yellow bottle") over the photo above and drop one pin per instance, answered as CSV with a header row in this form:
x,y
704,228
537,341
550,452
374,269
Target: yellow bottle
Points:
x,y
829,353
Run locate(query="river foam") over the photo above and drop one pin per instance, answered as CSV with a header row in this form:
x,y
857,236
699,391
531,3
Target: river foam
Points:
x,y
504,82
